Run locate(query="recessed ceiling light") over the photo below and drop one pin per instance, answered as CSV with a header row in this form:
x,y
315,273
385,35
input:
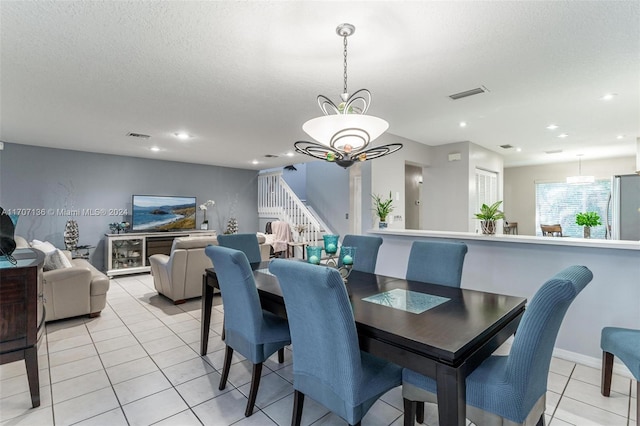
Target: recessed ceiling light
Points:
x,y
154,149
254,162
463,124
620,137
183,136
608,96
290,154
518,149
552,126
563,135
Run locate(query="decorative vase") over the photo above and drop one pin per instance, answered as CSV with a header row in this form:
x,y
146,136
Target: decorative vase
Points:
x,y
382,224
587,232
488,227
71,235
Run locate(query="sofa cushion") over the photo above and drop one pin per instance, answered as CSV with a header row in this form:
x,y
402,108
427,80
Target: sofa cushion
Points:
x,y
56,260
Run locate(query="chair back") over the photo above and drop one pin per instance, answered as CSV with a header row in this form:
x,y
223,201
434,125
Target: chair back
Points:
x,y
326,355
366,251
436,262
527,366
242,311
551,230
246,243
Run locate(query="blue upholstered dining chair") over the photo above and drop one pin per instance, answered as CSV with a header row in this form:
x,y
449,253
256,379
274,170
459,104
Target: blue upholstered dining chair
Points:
x,y
366,252
247,243
328,365
254,333
625,344
510,390
436,262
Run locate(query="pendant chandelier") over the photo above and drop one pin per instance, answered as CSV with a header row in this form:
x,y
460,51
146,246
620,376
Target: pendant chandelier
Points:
x,y
344,133
580,178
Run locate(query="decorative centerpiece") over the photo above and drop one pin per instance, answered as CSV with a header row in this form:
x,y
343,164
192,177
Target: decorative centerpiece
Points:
x,y
488,216
347,255
587,220
382,208
203,207
116,227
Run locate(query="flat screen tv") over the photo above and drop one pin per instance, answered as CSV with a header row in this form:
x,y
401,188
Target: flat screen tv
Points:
x,y
163,213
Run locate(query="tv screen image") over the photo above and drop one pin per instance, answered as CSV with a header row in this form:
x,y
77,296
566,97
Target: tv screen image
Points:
x,y
163,213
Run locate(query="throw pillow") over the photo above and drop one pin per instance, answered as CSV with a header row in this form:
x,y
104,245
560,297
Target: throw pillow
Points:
x,y
56,260
44,246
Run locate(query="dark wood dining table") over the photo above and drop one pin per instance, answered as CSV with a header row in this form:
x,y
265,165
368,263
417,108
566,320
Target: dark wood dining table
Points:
x,y
446,342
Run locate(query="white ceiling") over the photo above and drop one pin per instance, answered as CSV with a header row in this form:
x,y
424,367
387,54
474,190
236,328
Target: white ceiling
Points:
x,y
242,77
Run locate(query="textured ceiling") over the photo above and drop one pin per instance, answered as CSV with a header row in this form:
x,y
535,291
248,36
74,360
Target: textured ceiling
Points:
x,y
242,77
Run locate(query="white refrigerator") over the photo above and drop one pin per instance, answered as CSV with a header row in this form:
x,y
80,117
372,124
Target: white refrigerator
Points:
x,y
623,211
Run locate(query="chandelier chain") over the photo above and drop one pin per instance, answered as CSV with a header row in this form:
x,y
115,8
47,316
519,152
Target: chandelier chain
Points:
x,y
345,65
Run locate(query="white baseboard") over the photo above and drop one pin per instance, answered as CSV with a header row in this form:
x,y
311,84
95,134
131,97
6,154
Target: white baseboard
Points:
x,y
618,368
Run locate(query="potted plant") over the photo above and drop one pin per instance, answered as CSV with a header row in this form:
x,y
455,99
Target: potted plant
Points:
x,y
587,220
488,216
382,208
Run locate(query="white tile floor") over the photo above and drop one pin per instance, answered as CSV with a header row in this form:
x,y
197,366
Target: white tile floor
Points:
x,y
138,364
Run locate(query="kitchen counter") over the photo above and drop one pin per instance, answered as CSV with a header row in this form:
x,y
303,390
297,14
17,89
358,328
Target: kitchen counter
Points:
x,y
519,264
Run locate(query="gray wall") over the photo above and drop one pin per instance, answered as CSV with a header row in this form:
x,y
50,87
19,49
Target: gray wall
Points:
x,y
328,194
35,177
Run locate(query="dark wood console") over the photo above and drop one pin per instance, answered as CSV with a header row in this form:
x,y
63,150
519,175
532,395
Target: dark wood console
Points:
x,y
159,245
22,313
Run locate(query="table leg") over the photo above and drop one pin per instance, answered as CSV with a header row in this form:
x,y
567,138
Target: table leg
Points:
x,y
452,396
31,362
207,302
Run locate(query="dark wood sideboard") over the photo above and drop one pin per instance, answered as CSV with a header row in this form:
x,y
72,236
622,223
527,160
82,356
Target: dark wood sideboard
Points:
x,y
22,313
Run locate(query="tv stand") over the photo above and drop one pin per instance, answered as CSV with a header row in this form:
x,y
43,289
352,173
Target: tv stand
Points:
x,y
129,253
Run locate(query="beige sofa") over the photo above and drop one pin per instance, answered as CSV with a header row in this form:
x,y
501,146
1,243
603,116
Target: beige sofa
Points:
x,y
72,291
179,275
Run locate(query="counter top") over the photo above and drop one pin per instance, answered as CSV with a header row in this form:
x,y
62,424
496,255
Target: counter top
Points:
x,y
521,239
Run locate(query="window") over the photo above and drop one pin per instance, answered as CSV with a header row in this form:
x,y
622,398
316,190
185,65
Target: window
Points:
x,y
559,202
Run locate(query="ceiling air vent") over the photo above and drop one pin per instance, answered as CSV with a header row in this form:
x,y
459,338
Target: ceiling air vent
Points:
x,y
270,156
138,135
468,93
507,146
555,151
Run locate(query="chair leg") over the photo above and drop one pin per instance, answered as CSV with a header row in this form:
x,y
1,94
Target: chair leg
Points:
x,y
253,392
280,355
409,412
420,412
225,369
607,371
540,420
298,402
222,335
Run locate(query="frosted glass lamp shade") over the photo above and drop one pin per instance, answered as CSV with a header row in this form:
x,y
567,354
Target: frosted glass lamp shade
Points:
x,y
340,130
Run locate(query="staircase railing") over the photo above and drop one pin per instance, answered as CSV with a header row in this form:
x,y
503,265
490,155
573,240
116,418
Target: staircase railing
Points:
x,y
277,199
